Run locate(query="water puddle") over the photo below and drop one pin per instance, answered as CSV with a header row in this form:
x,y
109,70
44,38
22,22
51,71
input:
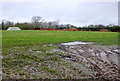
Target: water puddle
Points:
x,y
77,42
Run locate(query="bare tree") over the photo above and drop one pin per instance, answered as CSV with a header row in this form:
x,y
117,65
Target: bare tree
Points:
x,y
5,24
37,21
53,24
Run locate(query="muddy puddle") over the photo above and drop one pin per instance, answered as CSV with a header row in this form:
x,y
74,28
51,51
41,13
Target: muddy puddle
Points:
x,y
77,42
103,60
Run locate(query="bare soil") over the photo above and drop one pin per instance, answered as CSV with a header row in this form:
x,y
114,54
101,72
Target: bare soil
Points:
x,y
103,60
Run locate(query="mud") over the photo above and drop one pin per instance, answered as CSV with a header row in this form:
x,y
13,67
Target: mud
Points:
x,y
103,60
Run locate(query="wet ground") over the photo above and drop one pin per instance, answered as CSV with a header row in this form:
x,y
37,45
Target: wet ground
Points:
x,y
103,60
73,60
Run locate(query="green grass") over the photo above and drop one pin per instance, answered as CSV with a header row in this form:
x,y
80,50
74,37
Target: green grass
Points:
x,y
19,50
15,38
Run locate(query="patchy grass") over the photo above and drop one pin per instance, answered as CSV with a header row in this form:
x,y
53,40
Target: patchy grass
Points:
x,y
27,63
30,55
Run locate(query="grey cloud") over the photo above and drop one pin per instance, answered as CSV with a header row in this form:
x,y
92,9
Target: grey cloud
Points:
x,y
80,13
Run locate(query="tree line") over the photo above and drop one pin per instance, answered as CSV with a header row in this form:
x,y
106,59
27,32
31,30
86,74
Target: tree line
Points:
x,y
114,28
38,23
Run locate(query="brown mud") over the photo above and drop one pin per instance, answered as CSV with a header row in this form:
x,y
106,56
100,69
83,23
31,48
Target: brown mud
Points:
x,y
103,60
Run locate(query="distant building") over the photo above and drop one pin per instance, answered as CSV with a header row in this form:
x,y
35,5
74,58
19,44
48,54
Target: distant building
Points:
x,y
14,28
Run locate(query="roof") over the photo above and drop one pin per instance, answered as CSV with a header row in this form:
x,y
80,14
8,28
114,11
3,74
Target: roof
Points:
x,y
14,28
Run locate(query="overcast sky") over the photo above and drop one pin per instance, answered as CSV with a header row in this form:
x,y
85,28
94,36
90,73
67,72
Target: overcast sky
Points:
x,y
76,13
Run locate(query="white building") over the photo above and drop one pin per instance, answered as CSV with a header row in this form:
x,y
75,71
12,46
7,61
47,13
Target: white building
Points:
x,y
14,28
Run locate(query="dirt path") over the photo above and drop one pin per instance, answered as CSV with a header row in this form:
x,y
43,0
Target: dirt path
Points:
x,y
102,59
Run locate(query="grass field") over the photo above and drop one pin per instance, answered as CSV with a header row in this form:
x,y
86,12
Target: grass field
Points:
x,y
27,54
14,38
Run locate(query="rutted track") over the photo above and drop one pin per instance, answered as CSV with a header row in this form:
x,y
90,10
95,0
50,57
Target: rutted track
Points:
x,y
102,59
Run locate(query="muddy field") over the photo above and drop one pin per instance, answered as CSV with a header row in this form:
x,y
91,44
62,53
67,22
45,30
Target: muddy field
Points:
x,y
73,60
102,60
